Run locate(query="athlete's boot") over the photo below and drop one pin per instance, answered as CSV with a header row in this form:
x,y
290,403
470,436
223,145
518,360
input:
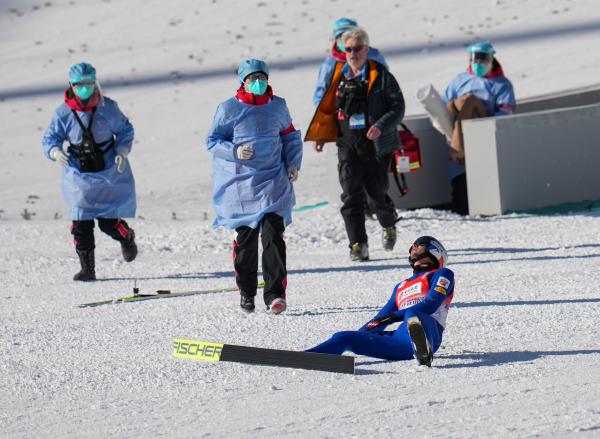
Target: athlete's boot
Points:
x,y
420,343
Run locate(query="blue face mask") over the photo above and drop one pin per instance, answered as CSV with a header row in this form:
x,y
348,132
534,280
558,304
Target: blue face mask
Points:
x,y
84,91
480,69
257,87
341,45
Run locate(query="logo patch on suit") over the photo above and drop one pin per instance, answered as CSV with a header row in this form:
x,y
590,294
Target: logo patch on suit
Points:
x,y
443,282
440,290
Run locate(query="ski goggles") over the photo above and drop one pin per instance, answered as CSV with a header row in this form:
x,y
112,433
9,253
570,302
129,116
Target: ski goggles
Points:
x,y
481,57
83,83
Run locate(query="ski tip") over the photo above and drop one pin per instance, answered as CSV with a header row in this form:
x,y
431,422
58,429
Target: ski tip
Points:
x,y
198,350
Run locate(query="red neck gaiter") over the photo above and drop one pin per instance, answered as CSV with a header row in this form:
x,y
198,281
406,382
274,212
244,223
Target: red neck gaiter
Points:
x,y
77,104
337,53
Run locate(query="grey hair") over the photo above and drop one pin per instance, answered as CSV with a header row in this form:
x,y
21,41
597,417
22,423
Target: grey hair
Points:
x,y
356,32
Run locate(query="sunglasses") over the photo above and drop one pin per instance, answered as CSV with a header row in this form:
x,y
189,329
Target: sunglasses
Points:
x,y
354,49
254,76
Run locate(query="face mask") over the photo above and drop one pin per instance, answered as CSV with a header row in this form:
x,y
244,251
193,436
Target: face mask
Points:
x,y
341,45
257,87
480,69
84,91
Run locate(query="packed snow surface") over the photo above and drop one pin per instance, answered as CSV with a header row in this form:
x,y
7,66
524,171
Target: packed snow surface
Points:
x,y
520,356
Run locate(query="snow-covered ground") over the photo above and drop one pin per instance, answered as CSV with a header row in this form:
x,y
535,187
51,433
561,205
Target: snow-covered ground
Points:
x,y
520,356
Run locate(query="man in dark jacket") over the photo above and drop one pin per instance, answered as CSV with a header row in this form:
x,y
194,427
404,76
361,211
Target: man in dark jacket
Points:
x,y
360,111
338,55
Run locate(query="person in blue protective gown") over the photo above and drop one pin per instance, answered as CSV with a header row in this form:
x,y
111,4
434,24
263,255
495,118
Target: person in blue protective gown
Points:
x,y
256,154
420,303
91,138
480,91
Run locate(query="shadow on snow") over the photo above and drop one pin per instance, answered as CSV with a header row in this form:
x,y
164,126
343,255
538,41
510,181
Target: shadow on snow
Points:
x,y
483,359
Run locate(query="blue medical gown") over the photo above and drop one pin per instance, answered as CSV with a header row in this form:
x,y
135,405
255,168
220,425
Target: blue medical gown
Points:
x,y
104,194
245,190
495,93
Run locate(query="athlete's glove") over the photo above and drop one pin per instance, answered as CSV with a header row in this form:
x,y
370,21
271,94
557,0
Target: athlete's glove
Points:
x,y
387,320
293,173
121,160
244,152
61,157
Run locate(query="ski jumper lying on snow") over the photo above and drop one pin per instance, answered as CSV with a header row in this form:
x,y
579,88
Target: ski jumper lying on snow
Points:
x,y
420,302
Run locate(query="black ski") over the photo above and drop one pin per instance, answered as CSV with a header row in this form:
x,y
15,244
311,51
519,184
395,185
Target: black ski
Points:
x,y
207,351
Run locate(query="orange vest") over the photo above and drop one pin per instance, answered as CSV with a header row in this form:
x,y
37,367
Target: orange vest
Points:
x,y
323,127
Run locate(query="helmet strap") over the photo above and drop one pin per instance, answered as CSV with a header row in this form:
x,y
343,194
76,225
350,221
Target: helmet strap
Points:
x,y
434,262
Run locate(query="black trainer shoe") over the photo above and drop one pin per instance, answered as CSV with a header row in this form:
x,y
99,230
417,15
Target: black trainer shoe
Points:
x,y
88,266
128,247
420,343
247,303
359,251
389,238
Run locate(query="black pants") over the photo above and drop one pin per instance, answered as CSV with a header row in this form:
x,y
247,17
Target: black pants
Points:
x,y
83,231
370,205
460,201
245,258
355,173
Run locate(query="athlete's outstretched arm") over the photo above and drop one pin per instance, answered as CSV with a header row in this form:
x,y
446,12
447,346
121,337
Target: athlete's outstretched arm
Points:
x,y
387,310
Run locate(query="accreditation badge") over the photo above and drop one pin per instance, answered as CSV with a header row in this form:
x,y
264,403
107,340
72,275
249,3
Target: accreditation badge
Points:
x,y
357,121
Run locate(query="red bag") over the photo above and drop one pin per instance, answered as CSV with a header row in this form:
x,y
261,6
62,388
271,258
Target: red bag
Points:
x,y
408,157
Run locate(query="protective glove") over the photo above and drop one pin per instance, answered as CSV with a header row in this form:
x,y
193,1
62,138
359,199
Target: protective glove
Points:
x,y
121,160
387,320
293,173
244,152
60,156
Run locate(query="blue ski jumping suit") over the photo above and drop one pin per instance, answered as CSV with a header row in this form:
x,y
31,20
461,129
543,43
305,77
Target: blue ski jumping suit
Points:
x,y
426,295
